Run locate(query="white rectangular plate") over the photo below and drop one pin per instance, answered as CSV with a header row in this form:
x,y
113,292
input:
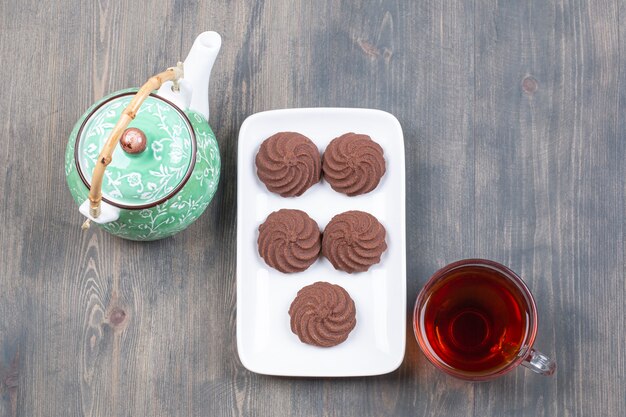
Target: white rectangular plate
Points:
x,y
265,342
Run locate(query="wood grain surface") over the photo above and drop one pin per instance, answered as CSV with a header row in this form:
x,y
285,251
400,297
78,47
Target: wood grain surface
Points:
x,y
515,152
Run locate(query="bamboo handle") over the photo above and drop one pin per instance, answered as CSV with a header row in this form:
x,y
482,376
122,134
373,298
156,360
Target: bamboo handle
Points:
x,y
104,158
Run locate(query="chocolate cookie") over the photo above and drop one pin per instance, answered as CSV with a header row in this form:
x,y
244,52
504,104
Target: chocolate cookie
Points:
x,y
322,314
353,241
288,163
289,240
353,164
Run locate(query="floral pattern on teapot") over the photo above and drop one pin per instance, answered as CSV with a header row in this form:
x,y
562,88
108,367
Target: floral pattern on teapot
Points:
x,y
147,177
167,168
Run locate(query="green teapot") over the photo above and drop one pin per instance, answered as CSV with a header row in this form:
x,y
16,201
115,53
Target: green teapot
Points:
x,y
144,164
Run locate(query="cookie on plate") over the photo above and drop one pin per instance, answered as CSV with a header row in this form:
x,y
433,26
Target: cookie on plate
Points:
x,y
353,241
353,164
322,314
288,163
289,240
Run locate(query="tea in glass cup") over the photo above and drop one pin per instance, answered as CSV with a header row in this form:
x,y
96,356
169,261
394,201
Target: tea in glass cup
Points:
x,y
475,319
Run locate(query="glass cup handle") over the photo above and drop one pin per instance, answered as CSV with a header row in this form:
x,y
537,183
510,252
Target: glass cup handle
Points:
x,y
539,363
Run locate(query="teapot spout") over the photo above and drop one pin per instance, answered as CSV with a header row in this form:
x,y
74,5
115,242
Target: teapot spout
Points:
x,y
198,65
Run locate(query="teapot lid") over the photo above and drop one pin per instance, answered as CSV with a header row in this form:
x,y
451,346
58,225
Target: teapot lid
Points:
x,y
138,178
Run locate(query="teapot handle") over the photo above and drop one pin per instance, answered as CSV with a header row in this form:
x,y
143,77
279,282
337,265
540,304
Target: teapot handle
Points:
x,y
104,158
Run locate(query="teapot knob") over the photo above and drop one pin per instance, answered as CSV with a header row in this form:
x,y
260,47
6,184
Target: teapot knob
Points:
x,y
133,140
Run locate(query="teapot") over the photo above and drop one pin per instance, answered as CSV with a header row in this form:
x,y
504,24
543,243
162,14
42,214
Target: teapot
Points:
x,y
143,163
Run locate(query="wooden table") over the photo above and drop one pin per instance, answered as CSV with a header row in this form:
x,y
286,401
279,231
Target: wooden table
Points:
x,y
512,114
